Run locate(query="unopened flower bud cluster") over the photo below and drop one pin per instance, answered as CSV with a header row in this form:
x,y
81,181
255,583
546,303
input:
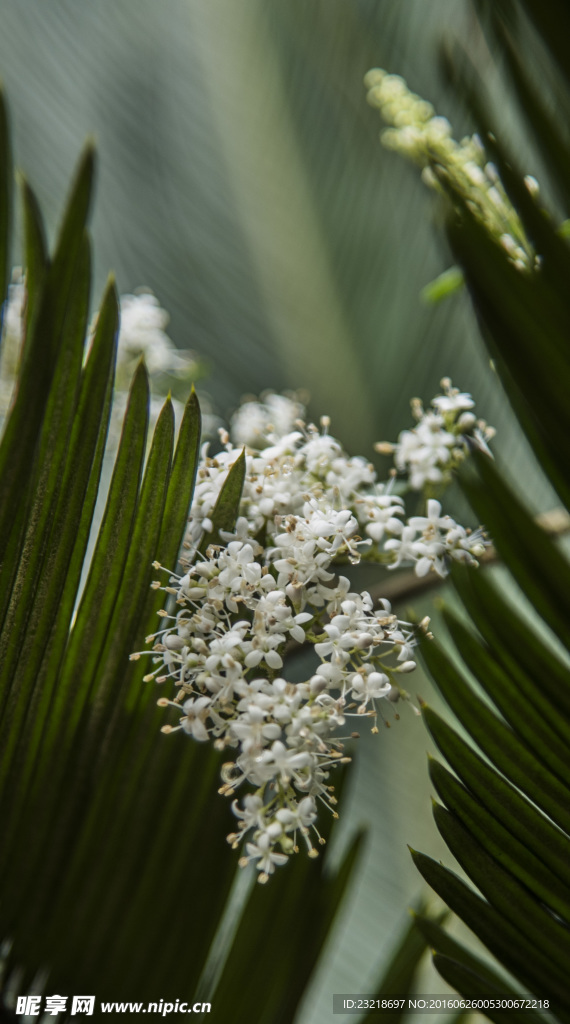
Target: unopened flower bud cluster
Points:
x,y
242,605
420,134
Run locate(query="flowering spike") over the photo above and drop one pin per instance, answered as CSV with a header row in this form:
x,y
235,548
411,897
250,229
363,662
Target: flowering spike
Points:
x,y
418,133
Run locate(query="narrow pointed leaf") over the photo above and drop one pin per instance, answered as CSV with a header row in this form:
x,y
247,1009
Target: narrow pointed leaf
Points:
x,y
71,233
226,508
181,483
37,259
508,846
24,423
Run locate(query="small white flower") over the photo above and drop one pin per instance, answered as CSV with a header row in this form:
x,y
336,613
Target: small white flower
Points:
x,y
253,730
405,547
251,814
262,851
431,523
453,402
302,815
196,711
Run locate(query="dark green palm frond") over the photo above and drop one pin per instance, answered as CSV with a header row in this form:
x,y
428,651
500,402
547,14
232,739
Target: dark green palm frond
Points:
x,y
115,865
505,815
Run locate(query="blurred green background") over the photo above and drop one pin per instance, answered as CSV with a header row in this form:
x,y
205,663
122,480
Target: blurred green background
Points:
x,y
241,179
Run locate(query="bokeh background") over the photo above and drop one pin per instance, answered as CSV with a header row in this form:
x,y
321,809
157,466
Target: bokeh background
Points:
x,y
241,179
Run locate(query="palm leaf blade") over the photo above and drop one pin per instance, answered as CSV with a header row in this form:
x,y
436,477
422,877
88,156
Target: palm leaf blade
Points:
x,y
517,710
520,956
502,890
500,843
501,799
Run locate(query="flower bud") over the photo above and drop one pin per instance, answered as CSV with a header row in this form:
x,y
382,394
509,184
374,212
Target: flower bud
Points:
x,y
174,642
406,666
466,421
316,685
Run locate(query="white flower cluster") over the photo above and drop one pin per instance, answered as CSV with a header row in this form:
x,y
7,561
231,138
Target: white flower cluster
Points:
x,y
429,541
269,586
240,610
430,452
284,471
143,333
420,134
255,423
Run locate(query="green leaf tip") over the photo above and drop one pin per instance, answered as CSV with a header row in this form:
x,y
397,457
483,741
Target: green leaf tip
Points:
x,y
167,410
447,283
87,159
87,162
140,371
